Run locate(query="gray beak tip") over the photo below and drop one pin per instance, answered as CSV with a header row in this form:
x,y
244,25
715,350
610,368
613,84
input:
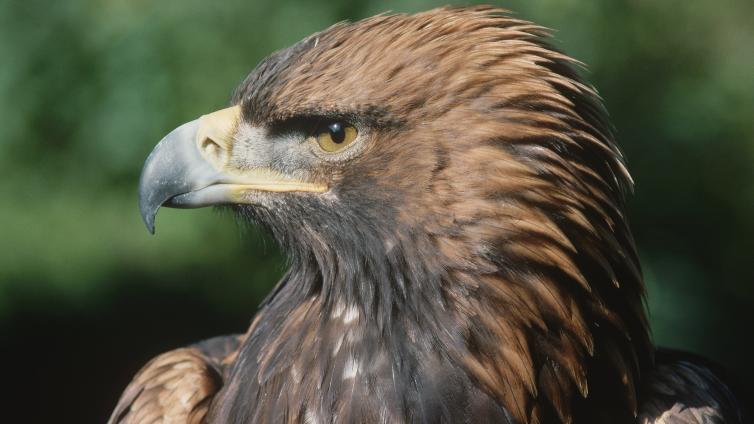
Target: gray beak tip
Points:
x,y
150,225
147,214
165,171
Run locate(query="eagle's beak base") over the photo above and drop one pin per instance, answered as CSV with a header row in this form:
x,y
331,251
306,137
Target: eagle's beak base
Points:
x,y
189,169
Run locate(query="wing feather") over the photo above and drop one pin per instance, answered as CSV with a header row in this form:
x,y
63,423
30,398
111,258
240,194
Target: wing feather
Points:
x,y
176,386
686,390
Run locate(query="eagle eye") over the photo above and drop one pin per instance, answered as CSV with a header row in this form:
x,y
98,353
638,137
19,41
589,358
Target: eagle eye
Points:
x,y
335,136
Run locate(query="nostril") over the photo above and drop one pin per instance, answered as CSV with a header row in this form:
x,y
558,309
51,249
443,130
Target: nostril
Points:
x,y
215,134
213,151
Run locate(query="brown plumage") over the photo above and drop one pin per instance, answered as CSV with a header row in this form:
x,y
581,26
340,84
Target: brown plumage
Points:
x,y
466,258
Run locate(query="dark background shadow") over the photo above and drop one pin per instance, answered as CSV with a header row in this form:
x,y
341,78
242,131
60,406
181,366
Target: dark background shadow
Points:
x,y
87,87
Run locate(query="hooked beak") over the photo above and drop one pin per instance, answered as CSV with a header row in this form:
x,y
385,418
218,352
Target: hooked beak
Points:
x,y
190,168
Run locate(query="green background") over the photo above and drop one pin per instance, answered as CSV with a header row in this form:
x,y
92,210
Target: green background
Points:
x,y
87,87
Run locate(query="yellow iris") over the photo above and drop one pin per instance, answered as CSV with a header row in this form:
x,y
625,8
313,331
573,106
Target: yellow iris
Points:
x,y
336,136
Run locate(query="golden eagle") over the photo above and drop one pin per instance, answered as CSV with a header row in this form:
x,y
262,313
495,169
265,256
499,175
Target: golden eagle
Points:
x,y
451,198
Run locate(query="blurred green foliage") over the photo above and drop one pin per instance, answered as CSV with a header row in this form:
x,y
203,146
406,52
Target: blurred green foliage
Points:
x,y
87,87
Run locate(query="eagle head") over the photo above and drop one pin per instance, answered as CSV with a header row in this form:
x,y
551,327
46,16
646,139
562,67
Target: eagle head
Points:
x,y
449,180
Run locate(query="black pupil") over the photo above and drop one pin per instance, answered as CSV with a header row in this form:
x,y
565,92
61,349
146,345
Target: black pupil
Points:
x,y
337,133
